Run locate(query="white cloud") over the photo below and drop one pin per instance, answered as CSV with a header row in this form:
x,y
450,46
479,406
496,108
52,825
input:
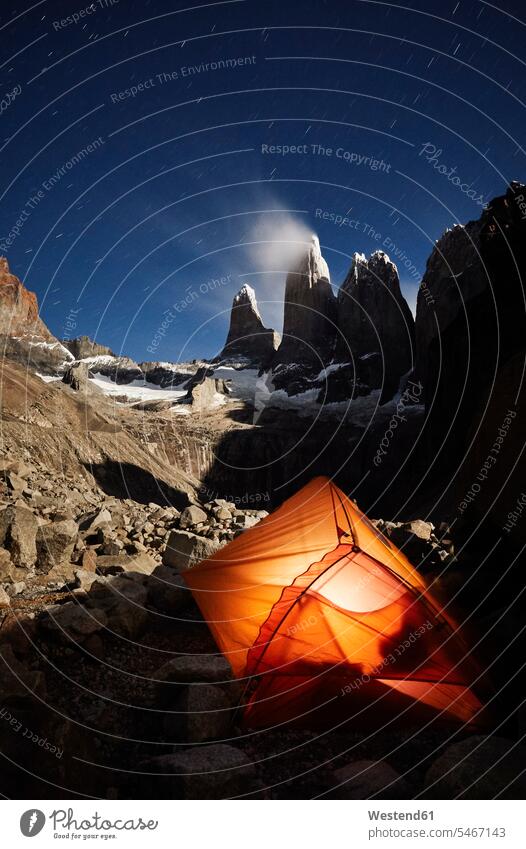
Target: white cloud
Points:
x,y
273,244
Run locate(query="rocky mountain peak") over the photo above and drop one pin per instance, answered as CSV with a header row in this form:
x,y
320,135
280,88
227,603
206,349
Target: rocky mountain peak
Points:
x,y
83,347
378,268
247,295
375,320
18,306
312,265
309,331
247,335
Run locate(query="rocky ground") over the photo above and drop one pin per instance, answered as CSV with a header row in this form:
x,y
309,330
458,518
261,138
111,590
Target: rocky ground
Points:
x,y
113,687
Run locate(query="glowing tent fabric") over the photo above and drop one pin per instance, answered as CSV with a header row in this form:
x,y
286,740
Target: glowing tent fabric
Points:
x,y
325,618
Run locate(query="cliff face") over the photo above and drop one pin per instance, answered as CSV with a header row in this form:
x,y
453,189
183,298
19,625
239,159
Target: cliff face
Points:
x,y
375,321
19,308
309,324
83,347
471,346
24,337
247,335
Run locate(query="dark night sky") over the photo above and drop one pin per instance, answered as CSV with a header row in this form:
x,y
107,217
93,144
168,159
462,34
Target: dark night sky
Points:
x,y
178,184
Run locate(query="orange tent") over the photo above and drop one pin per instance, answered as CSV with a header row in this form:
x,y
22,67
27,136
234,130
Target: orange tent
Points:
x,y
326,619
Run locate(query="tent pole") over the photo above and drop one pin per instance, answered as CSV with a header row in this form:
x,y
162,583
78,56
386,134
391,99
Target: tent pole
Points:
x,y
354,550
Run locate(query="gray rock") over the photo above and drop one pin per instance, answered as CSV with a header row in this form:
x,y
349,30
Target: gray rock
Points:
x,y
421,529
192,515
191,668
123,600
201,712
111,548
73,621
84,578
55,544
18,530
185,549
222,514
369,779
88,560
218,771
17,682
15,482
76,375
141,562
479,768
246,521
167,591
91,521
6,565
18,467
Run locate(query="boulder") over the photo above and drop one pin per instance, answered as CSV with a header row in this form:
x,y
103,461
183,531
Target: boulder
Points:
x,y
123,599
222,514
247,335
84,578
185,549
91,521
369,780
246,521
141,563
112,548
167,591
193,668
419,528
479,767
18,467
217,771
192,515
193,671
17,682
206,394
55,543
88,560
15,482
200,712
418,543
18,531
6,564
72,621
76,375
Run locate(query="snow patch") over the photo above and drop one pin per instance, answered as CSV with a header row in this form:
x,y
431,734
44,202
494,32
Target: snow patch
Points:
x,y
47,378
247,293
136,390
51,346
330,369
